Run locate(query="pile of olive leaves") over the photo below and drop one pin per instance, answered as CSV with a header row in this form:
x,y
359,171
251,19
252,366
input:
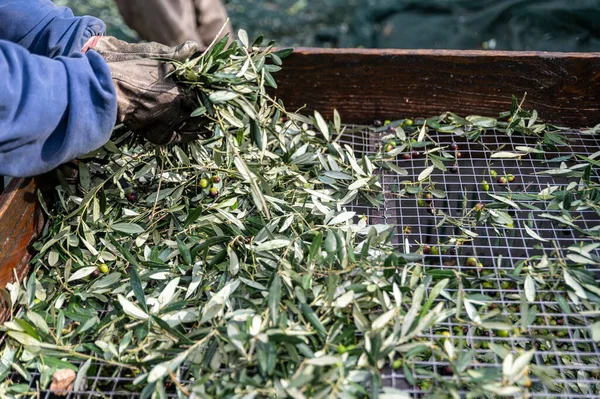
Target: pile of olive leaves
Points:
x,y
271,288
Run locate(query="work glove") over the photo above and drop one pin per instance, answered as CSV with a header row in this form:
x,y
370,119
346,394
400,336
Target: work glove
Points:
x,y
115,50
149,101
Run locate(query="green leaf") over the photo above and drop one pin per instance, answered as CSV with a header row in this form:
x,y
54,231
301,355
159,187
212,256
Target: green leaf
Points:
x,y
595,328
571,282
79,384
82,273
29,329
128,228
326,360
530,288
272,245
506,154
505,200
413,311
283,53
162,369
223,96
243,38
200,111
124,252
425,173
275,298
435,292
312,318
322,126
84,176
383,320
184,251
533,234
341,218
24,338
131,309
136,286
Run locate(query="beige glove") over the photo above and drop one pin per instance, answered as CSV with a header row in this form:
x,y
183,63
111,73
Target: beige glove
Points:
x,y
149,102
115,50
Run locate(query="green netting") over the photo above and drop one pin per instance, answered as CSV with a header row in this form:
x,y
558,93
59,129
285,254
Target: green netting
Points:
x,y
550,25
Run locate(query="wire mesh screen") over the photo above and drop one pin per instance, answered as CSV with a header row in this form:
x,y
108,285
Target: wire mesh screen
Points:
x,y
557,335
562,339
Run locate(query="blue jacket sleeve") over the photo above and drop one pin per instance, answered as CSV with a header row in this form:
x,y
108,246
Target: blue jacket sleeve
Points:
x,y
51,110
45,29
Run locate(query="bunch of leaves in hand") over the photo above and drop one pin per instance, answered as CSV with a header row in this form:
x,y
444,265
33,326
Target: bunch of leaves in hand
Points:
x,y
230,84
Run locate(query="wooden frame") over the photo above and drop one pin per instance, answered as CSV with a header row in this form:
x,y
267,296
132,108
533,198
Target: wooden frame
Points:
x,y
380,84
21,221
386,84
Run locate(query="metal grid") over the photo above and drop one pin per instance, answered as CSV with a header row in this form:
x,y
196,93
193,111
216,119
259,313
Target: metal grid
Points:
x,y
113,382
564,354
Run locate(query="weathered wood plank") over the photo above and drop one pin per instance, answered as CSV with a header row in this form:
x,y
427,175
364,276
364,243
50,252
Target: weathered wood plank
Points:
x,y
386,84
21,220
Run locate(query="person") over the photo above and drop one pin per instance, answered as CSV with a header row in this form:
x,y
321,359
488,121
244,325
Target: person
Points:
x,y
64,86
171,22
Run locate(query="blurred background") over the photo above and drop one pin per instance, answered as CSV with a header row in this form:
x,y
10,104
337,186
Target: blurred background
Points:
x,y
548,25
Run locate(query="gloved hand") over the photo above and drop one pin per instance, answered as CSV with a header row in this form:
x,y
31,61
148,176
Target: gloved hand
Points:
x,y
150,102
115,50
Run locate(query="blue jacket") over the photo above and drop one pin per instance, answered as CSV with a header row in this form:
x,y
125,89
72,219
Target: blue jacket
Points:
x,y
55,102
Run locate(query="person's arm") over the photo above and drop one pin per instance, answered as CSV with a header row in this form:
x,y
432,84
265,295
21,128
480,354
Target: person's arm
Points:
x,y
45,29
52,110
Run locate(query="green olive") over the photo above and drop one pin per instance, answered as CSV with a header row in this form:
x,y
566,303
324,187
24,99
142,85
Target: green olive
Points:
x,y
203,183
485,186
503,333
103,268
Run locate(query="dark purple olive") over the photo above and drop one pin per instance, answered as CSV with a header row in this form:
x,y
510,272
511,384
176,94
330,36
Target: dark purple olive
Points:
x,y
132,196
